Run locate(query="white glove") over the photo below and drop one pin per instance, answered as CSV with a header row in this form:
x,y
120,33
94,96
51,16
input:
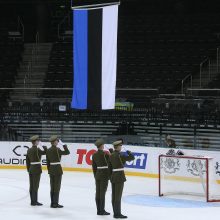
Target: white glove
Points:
x,y
124,149
61,143
40,144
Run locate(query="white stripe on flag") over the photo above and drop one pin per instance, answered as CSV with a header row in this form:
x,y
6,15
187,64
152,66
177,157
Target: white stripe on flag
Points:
x,y
109,55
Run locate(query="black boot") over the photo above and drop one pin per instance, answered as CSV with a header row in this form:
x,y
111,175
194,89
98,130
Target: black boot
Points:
x,y
105,213
98,206
102,208
53,201
120,216
31,197
113,207
51,198
56,201
33,200
36,199
117,212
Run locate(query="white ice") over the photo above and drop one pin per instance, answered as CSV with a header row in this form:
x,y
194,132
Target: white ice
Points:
x,y
77,196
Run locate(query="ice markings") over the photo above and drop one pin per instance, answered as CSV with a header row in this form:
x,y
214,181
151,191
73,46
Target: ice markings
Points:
x,y
154,201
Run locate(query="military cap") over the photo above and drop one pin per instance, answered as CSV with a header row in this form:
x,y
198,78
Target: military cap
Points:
x,y
117,143
99,142
34,138
53,138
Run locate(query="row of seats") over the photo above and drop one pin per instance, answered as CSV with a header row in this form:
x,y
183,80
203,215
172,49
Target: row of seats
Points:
x,y
153,52
10,58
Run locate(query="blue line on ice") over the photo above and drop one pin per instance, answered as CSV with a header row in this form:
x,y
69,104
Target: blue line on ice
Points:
x,y
155,201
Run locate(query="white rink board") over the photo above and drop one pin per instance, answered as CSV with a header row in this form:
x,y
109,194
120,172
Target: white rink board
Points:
x,y
145,164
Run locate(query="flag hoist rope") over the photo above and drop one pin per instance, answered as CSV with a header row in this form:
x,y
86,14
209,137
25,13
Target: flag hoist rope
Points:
x,y
95,5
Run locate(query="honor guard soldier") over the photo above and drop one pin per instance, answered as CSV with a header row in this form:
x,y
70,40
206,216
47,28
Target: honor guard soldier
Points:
x,y
100,166
55,171
117,161
33,163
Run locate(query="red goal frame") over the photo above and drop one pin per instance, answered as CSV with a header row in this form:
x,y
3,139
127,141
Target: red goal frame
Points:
x,y
188,157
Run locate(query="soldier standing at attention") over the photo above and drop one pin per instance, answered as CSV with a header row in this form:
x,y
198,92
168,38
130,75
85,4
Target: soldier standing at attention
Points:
x,y
54,169
117,161
33,163
100,166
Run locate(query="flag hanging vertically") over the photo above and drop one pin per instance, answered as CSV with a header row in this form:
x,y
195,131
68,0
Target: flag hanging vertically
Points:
x,y
94,57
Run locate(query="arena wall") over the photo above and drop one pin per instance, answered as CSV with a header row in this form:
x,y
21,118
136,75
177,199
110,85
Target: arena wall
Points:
x,y
13,156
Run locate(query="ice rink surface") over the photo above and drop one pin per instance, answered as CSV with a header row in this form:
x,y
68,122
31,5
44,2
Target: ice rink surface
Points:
x,y
140,200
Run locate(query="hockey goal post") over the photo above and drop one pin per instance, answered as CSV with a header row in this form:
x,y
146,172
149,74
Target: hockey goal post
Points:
x,y
188,176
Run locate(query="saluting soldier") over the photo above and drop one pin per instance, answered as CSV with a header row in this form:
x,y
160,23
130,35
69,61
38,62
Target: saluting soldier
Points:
x,y
100,166
55,171
117,162
33,163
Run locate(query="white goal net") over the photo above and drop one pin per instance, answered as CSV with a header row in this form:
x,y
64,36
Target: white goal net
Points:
x,y
184,176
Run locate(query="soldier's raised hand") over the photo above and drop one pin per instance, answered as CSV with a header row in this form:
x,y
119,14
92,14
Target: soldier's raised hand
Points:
x,y
40,144
111,150
61,143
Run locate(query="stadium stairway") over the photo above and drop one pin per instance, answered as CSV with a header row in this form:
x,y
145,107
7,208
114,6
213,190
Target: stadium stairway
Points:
x,y
32,71
208,73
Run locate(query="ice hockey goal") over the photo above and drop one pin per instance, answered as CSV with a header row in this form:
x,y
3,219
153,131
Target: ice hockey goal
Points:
x,y
185,176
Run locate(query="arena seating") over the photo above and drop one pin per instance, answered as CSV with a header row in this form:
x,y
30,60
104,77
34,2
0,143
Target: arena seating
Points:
x,y
10,56
159,51
81,126
60,70
154,52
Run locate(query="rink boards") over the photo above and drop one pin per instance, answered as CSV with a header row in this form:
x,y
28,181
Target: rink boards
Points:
x,y
13,154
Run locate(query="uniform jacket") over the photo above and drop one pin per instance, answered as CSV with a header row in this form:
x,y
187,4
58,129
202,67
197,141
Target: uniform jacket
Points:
x,y
100,159
117,161
54,155
34,155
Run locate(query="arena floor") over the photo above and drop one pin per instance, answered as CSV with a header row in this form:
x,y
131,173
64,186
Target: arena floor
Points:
x,y
140,200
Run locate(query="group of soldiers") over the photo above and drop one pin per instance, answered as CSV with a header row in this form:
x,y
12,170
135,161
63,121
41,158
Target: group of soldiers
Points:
x,y
106,165
110,166
33,162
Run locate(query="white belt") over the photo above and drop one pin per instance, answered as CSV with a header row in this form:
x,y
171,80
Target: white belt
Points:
x,y
100,168
119,169
34,163
56,163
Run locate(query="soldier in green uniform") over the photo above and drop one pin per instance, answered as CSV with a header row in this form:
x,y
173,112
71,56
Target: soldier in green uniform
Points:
x,y
33,163
117,161
55,171
100,166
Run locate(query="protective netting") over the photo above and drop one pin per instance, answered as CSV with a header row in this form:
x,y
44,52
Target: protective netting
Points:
x,y
182,176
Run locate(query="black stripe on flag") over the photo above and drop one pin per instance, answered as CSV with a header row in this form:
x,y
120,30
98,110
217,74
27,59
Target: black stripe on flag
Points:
x,y
95,59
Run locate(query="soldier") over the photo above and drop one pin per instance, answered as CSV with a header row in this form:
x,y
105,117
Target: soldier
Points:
x,y
54,169
117,161
100,166
33,163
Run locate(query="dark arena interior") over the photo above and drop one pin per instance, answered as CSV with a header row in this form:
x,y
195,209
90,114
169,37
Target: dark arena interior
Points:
x,y
167,85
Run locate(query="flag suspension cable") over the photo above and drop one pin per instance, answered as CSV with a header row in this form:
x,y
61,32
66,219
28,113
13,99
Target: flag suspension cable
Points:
x,y
95,5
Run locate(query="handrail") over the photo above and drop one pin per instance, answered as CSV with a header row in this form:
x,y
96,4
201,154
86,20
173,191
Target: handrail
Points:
x,y
216,89
59,24
200,72
217,57
184,79
118,89
20,23
96,5
37,40
33,60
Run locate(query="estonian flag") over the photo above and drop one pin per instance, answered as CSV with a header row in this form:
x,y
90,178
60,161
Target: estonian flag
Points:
x,y
95,57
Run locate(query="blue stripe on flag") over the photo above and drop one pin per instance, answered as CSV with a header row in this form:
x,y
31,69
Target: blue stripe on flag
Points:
x,y
80,57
